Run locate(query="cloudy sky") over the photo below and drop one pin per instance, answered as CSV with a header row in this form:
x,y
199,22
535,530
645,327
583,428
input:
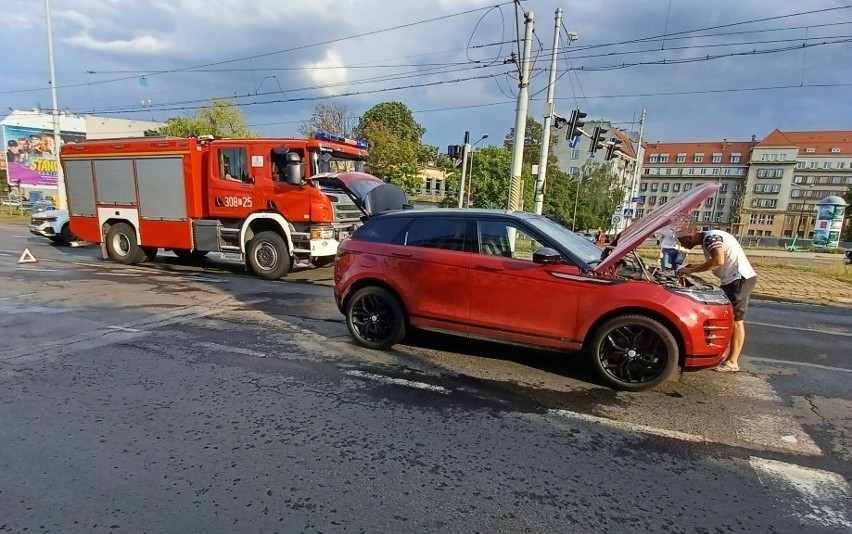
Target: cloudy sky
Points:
x,y
702,70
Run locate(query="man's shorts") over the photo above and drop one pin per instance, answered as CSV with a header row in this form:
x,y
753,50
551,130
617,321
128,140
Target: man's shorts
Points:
x,y
738,292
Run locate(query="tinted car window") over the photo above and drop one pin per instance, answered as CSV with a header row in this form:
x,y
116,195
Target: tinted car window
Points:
x,y
448,234
381,230
501,238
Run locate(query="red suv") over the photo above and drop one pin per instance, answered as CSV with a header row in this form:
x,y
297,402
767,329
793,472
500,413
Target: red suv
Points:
x,y
522,278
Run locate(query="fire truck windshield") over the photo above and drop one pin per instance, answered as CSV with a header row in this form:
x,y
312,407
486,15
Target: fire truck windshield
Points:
x,y
337,162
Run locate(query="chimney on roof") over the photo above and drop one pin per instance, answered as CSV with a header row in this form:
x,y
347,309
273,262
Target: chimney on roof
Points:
x,y
753,138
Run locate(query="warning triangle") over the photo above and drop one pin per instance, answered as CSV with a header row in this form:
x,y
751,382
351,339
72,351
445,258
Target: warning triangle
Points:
x,y
27,257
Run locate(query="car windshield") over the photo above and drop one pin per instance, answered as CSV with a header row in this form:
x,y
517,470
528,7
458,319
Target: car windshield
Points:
x,y
578,245
339,162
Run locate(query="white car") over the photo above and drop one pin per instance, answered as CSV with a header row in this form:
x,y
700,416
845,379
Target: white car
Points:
x,y
52,224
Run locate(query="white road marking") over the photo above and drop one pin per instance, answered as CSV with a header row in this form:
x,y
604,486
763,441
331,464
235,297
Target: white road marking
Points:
x,y
825,496
804,329
802,364
398,381
778,432
227,348
630,427
38,269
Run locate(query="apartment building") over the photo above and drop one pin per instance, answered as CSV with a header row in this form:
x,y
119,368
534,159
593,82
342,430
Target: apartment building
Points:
x,y
672,168
790,173
433,188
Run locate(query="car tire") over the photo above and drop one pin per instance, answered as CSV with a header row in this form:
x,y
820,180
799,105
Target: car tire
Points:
x,y
121,244
375,318
322,261
268,256
633,352
65,234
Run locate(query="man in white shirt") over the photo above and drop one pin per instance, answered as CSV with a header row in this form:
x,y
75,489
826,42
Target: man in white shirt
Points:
x,y
725,258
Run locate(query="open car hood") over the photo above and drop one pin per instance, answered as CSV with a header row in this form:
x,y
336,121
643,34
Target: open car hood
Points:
x,y
636,234
371,194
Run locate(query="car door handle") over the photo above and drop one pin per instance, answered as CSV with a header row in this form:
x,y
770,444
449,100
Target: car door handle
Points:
x,y
488,268
401,254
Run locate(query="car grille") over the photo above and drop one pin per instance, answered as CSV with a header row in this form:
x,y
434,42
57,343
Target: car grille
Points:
x,y
345,211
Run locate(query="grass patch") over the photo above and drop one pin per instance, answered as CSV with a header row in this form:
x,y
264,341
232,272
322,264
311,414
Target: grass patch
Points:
x,y
13,217
842,272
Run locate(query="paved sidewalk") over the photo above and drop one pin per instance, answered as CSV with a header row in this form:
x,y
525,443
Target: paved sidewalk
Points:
x,y
784,283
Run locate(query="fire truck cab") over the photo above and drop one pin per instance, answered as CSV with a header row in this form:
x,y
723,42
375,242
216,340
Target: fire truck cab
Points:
x,y
274,202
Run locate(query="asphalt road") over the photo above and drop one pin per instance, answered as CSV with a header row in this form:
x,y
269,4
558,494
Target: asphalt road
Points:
x,y
184,398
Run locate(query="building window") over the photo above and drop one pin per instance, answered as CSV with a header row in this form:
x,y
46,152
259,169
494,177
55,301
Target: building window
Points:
x,y
669,170
798,179
664,158
813,165
676,188
681,158
655,186
727,171
835,150
665,186
724,188
653,158
717,158
687,187
841,164
680,172
643,187
800,164
575,154
716,171
699,158
810,150
703,171
736,188
573,170
695,214
663,200
709,202
640,212
652,199
691,171
720,202
735,157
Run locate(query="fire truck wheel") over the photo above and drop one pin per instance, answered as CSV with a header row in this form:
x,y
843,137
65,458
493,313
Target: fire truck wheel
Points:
x,y
268,256
121,244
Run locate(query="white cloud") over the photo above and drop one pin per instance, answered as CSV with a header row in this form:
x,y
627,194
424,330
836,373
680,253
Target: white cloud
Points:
x,y
142,45
328,71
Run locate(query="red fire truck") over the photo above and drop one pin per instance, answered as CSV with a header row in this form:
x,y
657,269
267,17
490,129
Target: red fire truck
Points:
x,y
274,202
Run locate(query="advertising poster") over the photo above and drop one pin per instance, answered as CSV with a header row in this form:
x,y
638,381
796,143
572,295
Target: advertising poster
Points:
x,y
31,157
828,225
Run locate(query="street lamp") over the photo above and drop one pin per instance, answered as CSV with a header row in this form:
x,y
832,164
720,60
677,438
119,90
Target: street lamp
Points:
x,y
470,173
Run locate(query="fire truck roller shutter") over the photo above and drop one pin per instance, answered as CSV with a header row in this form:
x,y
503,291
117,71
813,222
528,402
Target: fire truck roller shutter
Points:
x,y
161,188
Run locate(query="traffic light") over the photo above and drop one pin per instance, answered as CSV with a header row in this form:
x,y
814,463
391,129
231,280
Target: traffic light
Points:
x,y
598,141
454,151
610,150
575,123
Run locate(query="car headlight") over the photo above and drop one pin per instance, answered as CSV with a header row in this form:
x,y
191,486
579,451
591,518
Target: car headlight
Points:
x,y
702,296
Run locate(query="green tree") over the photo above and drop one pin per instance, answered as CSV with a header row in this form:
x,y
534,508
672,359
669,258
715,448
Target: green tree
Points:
x,y
393,159
329,118
396,117
597,197
396,152
219,117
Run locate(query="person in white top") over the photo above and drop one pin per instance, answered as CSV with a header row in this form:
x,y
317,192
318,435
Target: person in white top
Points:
x,y
725,258
672,253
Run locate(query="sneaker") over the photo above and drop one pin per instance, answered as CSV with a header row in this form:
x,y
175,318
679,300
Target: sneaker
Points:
x,y
727,367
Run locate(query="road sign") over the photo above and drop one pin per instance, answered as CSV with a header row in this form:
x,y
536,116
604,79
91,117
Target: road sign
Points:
x,y
615,220
628,213
618,209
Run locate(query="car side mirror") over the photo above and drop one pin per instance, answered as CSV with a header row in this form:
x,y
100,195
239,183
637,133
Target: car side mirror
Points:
x,y
546,256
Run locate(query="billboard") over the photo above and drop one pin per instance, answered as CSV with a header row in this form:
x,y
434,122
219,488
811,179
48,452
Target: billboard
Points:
x,y
31,157
828,224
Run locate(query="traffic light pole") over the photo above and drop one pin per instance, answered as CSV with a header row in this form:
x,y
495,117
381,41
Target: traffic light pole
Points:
x,y
516,184
548,117
465,151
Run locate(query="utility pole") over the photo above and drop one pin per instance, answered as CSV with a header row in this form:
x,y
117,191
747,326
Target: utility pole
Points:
x,y
516,184
57,140
639,159
548,117
465,151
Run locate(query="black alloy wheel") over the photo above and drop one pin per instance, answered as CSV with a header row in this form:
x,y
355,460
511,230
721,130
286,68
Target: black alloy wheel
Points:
x,y
375,318
634,352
